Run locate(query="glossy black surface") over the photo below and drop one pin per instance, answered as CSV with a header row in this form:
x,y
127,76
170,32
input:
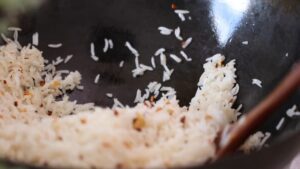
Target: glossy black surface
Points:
x,y
271,27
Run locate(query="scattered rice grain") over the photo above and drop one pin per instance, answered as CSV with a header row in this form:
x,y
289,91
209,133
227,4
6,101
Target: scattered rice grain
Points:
x,y
177,34
97,78
121,64
68,58
165,31
57,45
132,50
35,39
186,43
184,55
175,58
257,82
280,123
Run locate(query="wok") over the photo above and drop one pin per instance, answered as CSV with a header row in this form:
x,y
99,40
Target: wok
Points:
x,y
271,27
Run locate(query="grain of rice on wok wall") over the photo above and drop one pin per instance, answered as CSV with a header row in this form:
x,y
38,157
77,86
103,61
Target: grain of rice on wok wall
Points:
x,y
36,129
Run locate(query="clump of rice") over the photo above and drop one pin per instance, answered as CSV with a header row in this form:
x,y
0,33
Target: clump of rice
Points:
x,y
37,128
27,85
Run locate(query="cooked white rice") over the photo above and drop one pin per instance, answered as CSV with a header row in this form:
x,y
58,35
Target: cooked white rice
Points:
x,y
68,58
187,42
165,31
280,123
121,64
257,82
245,42
177,33
291,112
106,45
109,95
110,44
185,56
287,54
132,49
175,58
80,87
181,13
35,39
92,51
14,29
57,45
159,51
153,62
37,129
97,78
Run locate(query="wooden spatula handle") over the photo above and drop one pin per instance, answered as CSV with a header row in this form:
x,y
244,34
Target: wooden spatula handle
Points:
x,y
241,131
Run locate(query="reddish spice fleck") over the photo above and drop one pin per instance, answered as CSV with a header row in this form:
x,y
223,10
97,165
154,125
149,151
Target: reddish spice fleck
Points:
x,y
49,113
83,121
119,166
26,93
42,83
41,105
208,117
59,138
13,116
183,119
152,99
23,110
158,109
138,123
116,113
106,145
16,103
127,144
4,81
147,144
80,157
173,6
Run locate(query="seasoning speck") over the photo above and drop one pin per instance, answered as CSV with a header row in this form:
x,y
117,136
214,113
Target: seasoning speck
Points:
x,y
173,6
138,122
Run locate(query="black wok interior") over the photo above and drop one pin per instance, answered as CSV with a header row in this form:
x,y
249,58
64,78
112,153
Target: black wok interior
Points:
x,y
271,27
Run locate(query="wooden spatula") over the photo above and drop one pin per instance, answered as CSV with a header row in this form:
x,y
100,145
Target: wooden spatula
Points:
x,y
241,130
